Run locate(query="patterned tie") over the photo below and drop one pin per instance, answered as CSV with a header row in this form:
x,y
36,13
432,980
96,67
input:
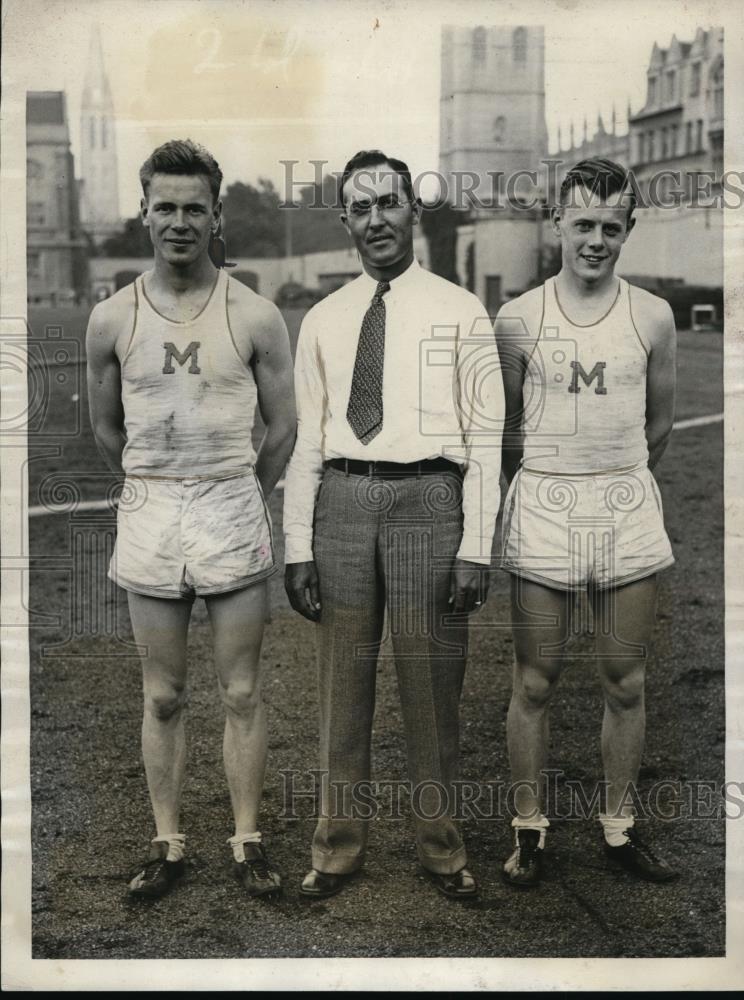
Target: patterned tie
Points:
x,y
364,411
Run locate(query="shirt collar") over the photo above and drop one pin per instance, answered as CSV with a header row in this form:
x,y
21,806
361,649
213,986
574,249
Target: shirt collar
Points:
x,y
401,281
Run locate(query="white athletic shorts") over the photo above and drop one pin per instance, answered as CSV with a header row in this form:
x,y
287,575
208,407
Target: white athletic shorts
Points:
x,y
571,532
186,538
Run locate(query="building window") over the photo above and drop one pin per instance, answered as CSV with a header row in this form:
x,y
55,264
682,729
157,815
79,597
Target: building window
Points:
x,y
36,213
652,90
664,149
92,131
479,45
33,265
718,93
104,133
699,135
519,45
670,83
651,156
499,128
695,80
688,138
641,148
673,140
448,131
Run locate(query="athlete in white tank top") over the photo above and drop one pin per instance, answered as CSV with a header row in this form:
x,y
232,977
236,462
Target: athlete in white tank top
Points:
x,y
588,366
189,398
589,381
176,365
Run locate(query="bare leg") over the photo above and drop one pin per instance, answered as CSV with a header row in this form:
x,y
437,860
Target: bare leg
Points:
x,y
238,624
162,626
539,623
624,622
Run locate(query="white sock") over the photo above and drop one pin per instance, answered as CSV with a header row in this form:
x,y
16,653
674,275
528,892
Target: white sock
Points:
x,y
534,822
176,845
614,828
239,840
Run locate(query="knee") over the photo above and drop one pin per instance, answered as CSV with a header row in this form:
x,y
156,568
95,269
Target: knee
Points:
x,y
534,688
241,698
164,702
624,693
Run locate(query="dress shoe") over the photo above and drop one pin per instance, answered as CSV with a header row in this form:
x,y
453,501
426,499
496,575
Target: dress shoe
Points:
x,y
638,858
458,885
523,867
320,885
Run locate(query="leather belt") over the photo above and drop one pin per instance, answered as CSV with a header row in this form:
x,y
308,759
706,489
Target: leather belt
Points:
x,y
393,470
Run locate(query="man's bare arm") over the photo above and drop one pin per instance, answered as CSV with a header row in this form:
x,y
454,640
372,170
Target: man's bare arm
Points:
x,y
104,388
515,335
272,369
657,324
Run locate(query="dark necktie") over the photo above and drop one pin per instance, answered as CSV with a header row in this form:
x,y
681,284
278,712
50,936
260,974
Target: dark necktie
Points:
x,y
364,411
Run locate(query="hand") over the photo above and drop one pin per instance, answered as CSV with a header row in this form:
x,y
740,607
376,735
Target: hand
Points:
x,y
468,586
303,589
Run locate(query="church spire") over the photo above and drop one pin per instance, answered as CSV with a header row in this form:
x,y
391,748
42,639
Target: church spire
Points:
x,y
98,159
614,119
560,143
571,133
586,130
96,90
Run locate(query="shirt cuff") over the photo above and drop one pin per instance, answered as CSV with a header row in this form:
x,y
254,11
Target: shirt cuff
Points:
x,y
473,548
297,550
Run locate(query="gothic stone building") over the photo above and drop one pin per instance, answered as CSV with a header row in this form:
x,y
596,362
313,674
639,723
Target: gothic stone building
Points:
x,y
55,249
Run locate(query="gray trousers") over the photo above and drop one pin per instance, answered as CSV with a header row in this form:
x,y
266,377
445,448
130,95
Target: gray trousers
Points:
x,y
391,543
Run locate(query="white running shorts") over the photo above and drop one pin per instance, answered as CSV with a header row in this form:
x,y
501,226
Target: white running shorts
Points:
x,y
186,538
573,532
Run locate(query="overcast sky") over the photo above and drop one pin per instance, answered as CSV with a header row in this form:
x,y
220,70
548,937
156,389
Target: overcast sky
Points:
x,y
259,82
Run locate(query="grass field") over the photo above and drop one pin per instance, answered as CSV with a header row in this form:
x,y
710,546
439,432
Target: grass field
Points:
x,y
91,816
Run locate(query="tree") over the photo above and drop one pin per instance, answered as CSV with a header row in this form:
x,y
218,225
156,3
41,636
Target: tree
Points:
x,y
316,223
132,241
253,222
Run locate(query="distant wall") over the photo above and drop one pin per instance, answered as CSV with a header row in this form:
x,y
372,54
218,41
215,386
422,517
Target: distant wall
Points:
x,y
507,252
323,270
681,243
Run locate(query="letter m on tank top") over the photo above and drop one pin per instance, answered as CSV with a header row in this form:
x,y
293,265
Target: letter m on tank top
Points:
x,y
596,373
191,352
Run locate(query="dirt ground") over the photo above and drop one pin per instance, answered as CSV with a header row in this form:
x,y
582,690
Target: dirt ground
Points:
x,y
91,816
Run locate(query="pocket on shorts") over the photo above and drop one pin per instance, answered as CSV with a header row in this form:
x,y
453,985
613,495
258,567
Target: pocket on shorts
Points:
x,y
267,515
509,504
656,492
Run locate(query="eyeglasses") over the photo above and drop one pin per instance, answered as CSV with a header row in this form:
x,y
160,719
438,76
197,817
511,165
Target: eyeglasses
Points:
x,y
385,203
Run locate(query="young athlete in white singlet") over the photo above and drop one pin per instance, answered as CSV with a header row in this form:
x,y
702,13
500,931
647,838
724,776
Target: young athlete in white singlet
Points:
x,y
589,371
177,362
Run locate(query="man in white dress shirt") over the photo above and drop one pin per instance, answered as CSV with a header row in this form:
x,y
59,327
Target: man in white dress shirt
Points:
x,y
391,501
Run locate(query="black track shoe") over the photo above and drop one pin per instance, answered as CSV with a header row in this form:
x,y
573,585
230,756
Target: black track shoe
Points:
x,y
257,874
156,878
638,858
523,867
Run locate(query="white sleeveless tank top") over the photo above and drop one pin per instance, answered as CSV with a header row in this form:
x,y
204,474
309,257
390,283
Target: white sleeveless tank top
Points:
x,y
584,392
189,399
